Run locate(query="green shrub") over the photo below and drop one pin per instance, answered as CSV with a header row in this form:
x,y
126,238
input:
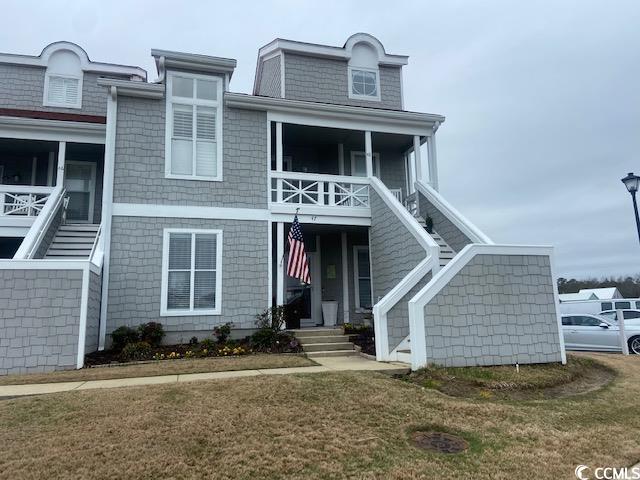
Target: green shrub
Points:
x,y
222,332
121,336
135,351
273,318
152,333
207,344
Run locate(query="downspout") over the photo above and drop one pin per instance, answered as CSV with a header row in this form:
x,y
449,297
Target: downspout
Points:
x,y
107,206
161,70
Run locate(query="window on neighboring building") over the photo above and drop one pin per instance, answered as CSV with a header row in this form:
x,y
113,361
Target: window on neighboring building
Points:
x,y
362,277
194,127
191,273
364,84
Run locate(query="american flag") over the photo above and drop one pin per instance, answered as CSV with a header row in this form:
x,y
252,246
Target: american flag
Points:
x,y
298,264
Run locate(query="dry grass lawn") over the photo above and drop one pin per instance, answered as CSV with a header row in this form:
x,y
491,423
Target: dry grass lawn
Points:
x,y
306,426
164,367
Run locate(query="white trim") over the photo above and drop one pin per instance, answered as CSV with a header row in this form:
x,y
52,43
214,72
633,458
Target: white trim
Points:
x,y
270,263
194,102
133,88
462,223
92,187
417,158
84,309
192,211
345,277
336,116
62,160
51,130
280,263
107,208
343,53
442,278
433,161
42,264
322,218
315,260
193,61
356,278
556,299
217,310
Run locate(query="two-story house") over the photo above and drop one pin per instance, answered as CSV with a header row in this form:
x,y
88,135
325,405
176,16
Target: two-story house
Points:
x,y
125,201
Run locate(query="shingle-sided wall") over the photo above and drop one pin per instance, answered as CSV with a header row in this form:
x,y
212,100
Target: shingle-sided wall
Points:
x,y
442,225
93,312
394,253
39,320
140,165
499,309
326,80
269,85
136,273
22,87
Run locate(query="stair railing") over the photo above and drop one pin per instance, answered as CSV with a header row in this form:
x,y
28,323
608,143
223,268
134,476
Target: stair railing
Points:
x,y
97,251
41,224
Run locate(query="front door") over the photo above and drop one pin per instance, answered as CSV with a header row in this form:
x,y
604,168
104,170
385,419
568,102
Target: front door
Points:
x,y
304,301
80,183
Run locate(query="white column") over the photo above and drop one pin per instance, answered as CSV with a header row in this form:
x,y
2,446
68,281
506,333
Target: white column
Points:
x,y
417,157
433,161
368,149
280,263
279,161
345,278
62,153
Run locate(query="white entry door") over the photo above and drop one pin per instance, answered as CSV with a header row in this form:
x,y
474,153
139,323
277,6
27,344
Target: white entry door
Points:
x,y
80,183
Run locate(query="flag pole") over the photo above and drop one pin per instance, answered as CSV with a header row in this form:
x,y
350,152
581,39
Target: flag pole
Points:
x,y
285,250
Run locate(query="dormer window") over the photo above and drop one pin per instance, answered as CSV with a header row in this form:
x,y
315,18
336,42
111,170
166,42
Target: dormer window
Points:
x,y
62,91
364,84
63,80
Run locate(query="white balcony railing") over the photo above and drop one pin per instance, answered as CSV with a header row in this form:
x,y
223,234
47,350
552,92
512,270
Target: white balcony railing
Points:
x,y
23,201
294,188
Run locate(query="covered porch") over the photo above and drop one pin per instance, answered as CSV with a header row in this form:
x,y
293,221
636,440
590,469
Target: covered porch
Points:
x,y
339,264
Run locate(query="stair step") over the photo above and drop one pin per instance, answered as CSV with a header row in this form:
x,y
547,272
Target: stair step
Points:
x,y
71,246
332,353
324,347
314,332
68,253
74,238
79,227
81,234
323,339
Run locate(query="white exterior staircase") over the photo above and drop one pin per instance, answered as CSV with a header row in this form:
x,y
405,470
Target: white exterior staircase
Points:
x,y
73,241
446,252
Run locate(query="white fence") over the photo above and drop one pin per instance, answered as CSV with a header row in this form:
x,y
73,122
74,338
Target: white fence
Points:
x,y
293,188
23,201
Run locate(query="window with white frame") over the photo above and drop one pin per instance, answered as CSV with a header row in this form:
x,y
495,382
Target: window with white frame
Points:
x,y
364,83
191,272
63,91
359,164
362,278
194,127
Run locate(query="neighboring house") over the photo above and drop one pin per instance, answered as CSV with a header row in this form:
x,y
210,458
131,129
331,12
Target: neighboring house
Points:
x,y
125,201
608,293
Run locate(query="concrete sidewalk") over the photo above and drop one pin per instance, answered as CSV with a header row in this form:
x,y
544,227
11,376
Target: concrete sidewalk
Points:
x,y
326,364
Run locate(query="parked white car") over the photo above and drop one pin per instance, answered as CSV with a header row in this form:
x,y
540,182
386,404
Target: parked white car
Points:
x,y
630,315
598,333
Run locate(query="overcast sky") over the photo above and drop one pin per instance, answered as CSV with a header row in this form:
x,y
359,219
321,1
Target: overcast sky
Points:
x,y
542,99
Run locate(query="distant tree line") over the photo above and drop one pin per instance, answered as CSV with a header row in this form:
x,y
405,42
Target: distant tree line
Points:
x,y
629,287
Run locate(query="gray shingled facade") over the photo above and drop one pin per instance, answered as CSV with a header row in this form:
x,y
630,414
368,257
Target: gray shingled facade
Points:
x,y
270,78
39,319
326,80
22,87
499,309
136,273
140,165
93,313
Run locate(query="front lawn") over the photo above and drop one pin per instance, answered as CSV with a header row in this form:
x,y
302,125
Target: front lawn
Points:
x,y
164,367
322,425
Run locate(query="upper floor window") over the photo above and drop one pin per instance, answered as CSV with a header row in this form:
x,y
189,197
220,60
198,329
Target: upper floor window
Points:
x,y
63,80
364,84
194,127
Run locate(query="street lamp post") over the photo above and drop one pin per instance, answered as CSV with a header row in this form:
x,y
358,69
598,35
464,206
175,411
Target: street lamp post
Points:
x,y
632,182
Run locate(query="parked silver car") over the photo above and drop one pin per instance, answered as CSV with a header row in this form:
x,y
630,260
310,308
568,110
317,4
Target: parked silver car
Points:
x,y
629,314
595,332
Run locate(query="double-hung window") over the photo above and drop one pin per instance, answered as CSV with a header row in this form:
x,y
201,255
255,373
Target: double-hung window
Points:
x,y
194,127
191,272
362,278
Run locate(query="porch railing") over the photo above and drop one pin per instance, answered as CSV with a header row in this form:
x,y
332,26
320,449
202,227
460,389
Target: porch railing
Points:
x,y
294,188
23,201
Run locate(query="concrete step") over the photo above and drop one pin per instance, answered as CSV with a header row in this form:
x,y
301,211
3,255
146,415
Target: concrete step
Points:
x,y
322,347
322,339
315,332
332,353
